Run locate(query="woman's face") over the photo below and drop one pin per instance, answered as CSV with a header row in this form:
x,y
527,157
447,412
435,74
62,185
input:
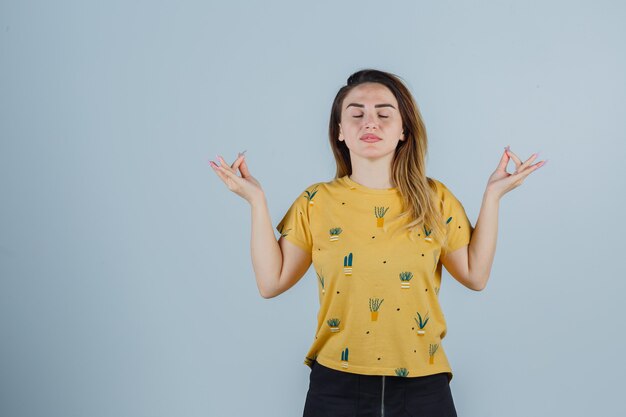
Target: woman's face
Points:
x,y
370,109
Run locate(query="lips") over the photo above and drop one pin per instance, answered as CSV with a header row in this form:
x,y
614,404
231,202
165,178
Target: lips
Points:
x,y
370,138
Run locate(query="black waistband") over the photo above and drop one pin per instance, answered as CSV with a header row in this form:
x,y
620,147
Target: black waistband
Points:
x,y
373,383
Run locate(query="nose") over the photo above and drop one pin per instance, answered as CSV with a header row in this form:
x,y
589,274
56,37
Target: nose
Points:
x,y
370,122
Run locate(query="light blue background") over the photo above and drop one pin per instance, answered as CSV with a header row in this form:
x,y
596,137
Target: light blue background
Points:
x,y
126,282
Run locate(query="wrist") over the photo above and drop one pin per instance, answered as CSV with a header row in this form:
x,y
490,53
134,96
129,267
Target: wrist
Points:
x,y
491,196
258,200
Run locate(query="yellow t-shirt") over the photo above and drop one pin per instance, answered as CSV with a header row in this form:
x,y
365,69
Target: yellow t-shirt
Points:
x,y
378,289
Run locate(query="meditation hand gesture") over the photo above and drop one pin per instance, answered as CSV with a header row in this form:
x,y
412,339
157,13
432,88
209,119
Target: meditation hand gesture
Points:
x,y
245,186
501,182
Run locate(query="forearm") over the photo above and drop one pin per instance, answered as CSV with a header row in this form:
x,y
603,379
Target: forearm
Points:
x,y
267,257
482,247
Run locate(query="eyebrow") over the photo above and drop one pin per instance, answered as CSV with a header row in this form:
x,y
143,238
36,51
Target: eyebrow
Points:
x,y
376,105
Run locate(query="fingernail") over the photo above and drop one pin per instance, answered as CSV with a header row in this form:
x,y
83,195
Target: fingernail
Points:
x,y
543,164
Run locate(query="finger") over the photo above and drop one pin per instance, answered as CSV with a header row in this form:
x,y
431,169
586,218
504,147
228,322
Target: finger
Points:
x,y
223,169
233,167
514,157
243,167
223,163
227,174
219,171
222,173
238,161
529,170
525,165
503,162
529,160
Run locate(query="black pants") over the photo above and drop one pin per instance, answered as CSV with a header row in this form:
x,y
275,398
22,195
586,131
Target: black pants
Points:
x,y
335,393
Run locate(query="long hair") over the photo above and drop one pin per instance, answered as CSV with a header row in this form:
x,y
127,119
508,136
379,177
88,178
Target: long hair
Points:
x,y
408,167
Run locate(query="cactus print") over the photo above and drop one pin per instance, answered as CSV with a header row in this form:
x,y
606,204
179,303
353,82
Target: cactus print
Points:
x,y
334,233
380,212
378,285
375,304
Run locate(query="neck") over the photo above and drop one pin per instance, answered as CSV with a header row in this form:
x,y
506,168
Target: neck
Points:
x,y
372,180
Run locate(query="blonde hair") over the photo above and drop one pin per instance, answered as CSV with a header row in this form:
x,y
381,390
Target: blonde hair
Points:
x,y
420,202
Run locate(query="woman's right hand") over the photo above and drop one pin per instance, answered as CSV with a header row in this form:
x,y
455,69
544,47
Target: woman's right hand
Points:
x,y
245,186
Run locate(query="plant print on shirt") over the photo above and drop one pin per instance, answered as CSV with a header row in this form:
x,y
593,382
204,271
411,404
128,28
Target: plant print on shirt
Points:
x,y
334,324
379,212
347,264
349,223
421,323
405,280
344,358
375,304
334,234
309,195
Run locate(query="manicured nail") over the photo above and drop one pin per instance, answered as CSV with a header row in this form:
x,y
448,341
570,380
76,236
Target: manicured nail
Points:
x,y
543,164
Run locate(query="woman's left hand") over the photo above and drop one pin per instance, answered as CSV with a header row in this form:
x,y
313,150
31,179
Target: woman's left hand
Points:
x,y
501,182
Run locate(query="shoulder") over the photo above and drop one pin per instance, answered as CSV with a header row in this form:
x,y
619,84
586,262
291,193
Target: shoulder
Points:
x,y
312,189
321,187
438,187
447,199
311,192
441,188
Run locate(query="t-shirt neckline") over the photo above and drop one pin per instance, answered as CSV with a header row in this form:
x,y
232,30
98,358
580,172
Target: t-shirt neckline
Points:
x,y
350,183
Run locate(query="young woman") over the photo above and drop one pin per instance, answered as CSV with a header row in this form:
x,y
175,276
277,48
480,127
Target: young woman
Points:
x,y
378,235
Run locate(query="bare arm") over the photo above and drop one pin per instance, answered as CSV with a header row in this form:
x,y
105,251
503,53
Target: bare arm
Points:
x,y
267,257
277,265
471,265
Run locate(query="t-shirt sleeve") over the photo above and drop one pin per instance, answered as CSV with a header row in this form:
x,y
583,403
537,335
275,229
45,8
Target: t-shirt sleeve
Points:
x,y
295,225
459,229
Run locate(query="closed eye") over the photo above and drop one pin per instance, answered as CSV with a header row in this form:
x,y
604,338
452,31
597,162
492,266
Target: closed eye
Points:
x,y
382,117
